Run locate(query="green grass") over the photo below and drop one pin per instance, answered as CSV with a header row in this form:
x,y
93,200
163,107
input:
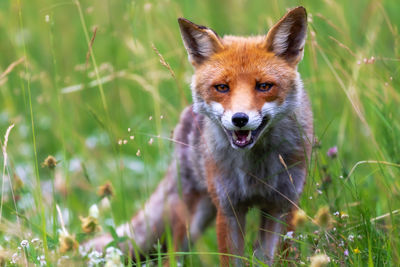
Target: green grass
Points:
x,y
77,106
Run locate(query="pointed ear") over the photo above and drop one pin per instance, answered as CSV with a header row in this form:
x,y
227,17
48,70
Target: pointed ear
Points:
x,y
200,42
286,38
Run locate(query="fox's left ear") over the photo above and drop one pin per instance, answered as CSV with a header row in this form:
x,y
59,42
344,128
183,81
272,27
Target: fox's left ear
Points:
x,y
200,41
286,38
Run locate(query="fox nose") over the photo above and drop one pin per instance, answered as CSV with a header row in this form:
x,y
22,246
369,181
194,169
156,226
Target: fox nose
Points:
x,y
240,119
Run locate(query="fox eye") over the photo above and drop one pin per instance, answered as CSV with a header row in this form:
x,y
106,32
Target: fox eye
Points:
x,y
264,87
222,88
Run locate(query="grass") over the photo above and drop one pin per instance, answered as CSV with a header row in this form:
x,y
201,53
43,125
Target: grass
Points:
x,y
74,95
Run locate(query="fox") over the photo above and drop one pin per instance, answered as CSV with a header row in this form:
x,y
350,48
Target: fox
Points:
x,y
244,142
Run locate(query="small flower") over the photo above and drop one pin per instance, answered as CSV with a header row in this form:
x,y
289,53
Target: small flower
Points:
x,y
350,238
132,137
150,118
89,224
151,141
34,240
371,60
162,117
94,211
125,142
47,18
95,258
332,152
67,242
341,243
129,129
346,252
105,204
106,190
120,142
113,257
50,162
289,235
343,215
83,251
25,243
138,153
323,217
336,213
356,251
41,260
14,258
319,260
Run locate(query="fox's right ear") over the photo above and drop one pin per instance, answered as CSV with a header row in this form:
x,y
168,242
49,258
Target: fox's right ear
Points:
x,y
200,42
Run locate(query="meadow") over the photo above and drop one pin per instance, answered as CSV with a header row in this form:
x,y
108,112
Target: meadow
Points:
x,y
99,86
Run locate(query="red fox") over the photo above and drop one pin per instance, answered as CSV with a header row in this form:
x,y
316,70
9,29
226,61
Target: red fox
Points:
x,y
245,142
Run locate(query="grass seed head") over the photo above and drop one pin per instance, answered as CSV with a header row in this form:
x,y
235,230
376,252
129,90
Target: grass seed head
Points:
x,y
89,224
323,217
67,243
299,218
106,190
50,162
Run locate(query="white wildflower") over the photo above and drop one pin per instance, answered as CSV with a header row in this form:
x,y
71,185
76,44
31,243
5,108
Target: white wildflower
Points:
x,y
83,251
113,257
350,238
14,258
34,240
94,211
41,260
336,213
95,258
288,235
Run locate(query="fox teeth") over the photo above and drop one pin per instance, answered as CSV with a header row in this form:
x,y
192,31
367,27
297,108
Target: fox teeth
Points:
x,y
234,136
248,137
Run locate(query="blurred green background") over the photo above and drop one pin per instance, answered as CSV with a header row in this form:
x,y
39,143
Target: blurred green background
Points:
x,y
81,105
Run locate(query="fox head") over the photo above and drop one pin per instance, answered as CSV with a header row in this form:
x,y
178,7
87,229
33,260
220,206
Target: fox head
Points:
x,y
244,83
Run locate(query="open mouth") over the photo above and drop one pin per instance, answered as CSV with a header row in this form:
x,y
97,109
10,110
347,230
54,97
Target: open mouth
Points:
x,y
244,138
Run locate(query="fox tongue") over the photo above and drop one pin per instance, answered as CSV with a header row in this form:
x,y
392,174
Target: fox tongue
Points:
x,y
241,137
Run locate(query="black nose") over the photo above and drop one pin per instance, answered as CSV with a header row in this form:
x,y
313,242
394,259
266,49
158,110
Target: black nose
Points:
x,y
240,119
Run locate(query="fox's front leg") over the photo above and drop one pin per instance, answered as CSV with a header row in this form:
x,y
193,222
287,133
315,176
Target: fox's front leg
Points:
x,y
230,235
